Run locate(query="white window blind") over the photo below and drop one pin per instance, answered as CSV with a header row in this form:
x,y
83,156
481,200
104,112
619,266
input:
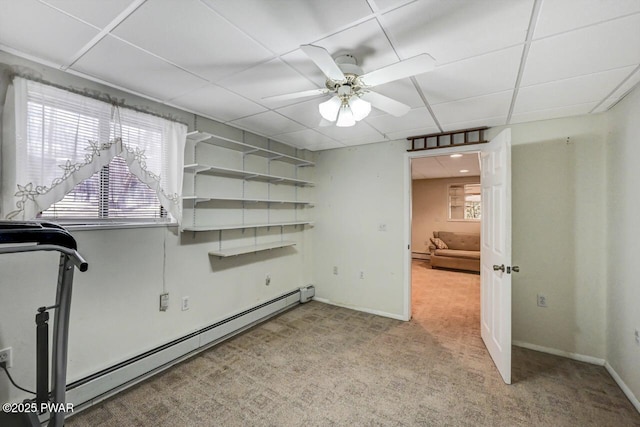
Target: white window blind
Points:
x,y
77,157
112,193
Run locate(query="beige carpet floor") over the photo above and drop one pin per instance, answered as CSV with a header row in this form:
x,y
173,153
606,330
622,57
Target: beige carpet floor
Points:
x,y
320,365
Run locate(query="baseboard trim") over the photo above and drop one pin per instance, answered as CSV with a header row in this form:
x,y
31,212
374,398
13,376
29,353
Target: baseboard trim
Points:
x,y
575,356
364,309
95,388
625,389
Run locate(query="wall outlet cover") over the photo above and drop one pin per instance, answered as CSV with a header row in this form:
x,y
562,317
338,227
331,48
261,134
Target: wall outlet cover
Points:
x,y
5,356
542,300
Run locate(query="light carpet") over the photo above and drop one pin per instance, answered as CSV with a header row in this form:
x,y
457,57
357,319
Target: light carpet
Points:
x,y
321,365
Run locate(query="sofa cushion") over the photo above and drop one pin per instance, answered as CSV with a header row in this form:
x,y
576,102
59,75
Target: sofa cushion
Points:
x,y
462,241
457,253
438,243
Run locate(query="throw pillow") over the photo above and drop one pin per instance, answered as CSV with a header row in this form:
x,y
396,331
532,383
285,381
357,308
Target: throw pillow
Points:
x,y
438,243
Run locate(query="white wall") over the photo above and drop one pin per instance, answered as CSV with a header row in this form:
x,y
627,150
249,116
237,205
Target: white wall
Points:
x,y
430,211
115,312
359,189
623,242
558,216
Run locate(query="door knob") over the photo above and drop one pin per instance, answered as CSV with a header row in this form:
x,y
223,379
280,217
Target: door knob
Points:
x,y
498,267
515,269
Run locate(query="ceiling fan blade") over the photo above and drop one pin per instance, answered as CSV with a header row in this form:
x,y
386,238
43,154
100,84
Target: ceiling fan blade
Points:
x,y
386,104
409,67
324,61
295,95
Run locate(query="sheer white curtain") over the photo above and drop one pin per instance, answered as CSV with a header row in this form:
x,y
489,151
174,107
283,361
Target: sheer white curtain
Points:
x,y
54,139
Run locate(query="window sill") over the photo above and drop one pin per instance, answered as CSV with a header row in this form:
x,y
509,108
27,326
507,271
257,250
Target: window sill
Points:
x,y
74,226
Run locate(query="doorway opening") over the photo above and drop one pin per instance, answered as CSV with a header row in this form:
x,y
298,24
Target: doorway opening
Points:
x,y
446,209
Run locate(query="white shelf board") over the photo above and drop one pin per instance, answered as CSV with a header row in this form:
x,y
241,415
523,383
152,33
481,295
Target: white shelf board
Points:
x,y
199,199
241,226
248,175
223,253
209,138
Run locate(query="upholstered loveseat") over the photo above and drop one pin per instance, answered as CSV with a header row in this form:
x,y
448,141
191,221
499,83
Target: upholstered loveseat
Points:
x,y
462,251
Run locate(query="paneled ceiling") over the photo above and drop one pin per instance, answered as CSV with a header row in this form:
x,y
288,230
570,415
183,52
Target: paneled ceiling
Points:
x,y
448,166
498,61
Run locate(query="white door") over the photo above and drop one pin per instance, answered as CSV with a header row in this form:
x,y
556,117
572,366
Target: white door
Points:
x,y
495,255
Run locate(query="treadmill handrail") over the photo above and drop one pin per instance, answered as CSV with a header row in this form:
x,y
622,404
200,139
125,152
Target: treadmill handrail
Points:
x,y
74,256
43,233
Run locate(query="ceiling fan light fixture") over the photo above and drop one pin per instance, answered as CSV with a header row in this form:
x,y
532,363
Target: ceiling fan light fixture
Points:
x,y
345,117
359,107
329,109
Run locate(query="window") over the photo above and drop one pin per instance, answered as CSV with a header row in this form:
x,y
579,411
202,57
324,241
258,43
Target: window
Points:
x,y
113,192
78,158
465,202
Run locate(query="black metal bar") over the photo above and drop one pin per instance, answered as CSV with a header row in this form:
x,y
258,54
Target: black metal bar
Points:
x,y
42,356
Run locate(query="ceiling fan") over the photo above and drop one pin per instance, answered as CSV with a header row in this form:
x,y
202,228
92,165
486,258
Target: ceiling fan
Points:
x,y
351,87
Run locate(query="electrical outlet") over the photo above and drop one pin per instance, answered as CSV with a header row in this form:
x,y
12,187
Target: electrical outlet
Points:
x,y
5,356
382,227
362,274
637,336
267,280
542,300
185,304
335,270
164,301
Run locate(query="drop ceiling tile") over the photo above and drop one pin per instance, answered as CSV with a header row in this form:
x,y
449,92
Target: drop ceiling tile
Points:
x,y
96,12
217,103
416,118
36,29
305,112
469,124
363,141
268,79
602,47
307,138
391,4
474,109
191,35
324,146
283,25
362,131
268,123
481,75
552,113
114,61
577,90
453,30
404,134
366,42
558,16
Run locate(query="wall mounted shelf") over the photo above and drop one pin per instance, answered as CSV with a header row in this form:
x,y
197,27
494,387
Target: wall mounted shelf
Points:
x,y
199,199
245,148
249,200
223,253
244,226
244,174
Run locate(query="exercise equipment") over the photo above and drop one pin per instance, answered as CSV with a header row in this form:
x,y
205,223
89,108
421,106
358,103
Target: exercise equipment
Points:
x,y
18,237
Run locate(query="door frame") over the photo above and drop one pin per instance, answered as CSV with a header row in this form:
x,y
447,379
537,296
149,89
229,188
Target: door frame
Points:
x,y
409,156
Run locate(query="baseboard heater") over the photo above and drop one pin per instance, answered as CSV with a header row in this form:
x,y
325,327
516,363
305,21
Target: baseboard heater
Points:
x,y
103,384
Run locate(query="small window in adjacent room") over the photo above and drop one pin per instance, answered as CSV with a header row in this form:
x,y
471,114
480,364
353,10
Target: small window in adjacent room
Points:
x,y
464,202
